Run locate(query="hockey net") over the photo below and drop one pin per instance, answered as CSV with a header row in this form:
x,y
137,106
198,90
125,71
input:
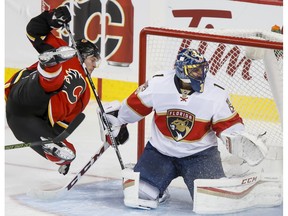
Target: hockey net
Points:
x,y
236,58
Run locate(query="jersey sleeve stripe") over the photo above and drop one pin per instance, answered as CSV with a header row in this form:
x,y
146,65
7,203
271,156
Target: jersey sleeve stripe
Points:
x,y
223,124
136,104
49,73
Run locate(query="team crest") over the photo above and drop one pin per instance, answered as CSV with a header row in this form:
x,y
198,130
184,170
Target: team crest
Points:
x,y
74,85
179,123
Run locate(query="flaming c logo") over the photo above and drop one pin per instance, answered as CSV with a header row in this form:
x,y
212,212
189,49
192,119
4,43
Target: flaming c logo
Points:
x,y
74,85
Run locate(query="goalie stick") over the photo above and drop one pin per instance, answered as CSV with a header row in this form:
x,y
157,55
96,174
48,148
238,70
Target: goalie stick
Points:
x,y
55,194
104,119
62,136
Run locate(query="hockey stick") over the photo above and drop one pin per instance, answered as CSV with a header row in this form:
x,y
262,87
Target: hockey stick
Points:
x,y
54,194
104,119
62,136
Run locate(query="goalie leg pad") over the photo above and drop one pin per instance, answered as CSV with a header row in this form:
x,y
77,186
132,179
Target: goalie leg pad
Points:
x,y
229,195
138,194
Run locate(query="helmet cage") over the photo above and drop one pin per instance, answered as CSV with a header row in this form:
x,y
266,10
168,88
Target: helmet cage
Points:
x,y
196,71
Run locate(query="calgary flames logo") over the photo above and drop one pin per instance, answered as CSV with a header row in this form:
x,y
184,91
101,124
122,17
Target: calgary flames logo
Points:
x,y
74,85
180,123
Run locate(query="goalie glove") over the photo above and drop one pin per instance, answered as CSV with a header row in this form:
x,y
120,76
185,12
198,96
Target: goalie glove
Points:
x,y
246,146
119,131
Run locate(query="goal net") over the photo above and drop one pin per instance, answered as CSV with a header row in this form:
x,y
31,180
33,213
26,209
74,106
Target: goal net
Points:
x,y
247,63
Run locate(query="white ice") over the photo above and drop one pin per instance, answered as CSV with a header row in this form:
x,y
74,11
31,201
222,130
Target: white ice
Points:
x,y
98,192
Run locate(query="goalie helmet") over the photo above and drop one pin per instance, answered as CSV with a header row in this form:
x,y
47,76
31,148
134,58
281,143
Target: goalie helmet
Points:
x,y
191,67
86,48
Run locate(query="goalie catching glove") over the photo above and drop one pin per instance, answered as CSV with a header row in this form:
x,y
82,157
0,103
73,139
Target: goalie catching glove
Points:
x,y
246,146
119,131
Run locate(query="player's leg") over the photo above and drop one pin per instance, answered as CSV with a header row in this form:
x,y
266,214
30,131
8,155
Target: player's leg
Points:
x,y
203,165
150,178
31,128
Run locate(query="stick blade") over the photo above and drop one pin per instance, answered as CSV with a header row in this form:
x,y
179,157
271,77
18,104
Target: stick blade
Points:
x,y
46,194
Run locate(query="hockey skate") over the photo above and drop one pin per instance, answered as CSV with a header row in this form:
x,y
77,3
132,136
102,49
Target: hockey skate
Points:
x,y
55,56
59,150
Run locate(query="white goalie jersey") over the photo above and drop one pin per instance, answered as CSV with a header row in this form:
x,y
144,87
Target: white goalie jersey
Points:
x,y
184,122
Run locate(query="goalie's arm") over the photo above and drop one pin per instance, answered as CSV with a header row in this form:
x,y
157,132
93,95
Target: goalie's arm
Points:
x,y
119,131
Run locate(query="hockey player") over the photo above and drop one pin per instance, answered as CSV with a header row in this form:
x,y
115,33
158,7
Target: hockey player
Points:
x,y
41,100
190,111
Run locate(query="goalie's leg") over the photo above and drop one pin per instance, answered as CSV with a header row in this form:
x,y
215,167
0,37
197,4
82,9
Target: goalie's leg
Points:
x,y
138,194
203,165
151,177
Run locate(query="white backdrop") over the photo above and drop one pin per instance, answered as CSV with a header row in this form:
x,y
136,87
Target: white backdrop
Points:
x,y
161,13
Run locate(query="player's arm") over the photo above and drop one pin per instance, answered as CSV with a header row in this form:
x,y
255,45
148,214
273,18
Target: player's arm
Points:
x,y
39,29
138,105
230,129
131,110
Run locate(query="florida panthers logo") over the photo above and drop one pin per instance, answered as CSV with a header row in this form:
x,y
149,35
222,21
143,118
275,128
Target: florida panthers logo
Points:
x,y
74,85
180,123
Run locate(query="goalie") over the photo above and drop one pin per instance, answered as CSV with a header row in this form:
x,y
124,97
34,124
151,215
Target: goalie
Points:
x,y
190,111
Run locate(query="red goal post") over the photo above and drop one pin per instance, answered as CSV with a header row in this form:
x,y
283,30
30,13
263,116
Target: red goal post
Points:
x,y
249,63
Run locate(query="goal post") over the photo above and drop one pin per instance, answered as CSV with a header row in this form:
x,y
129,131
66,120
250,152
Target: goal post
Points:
x,y
248,63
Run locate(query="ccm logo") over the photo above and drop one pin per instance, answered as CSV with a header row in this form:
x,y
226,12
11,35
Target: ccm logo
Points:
x,y
249,180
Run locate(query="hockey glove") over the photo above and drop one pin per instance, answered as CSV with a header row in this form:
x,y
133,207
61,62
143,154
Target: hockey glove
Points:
x,y
119,131
59,17
246,146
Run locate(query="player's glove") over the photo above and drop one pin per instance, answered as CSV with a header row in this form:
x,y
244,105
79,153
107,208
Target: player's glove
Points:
x,y
250,148
59,16
120,132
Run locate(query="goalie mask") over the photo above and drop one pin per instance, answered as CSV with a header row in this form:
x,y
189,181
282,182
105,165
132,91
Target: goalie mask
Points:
x,y
86,48
191,67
